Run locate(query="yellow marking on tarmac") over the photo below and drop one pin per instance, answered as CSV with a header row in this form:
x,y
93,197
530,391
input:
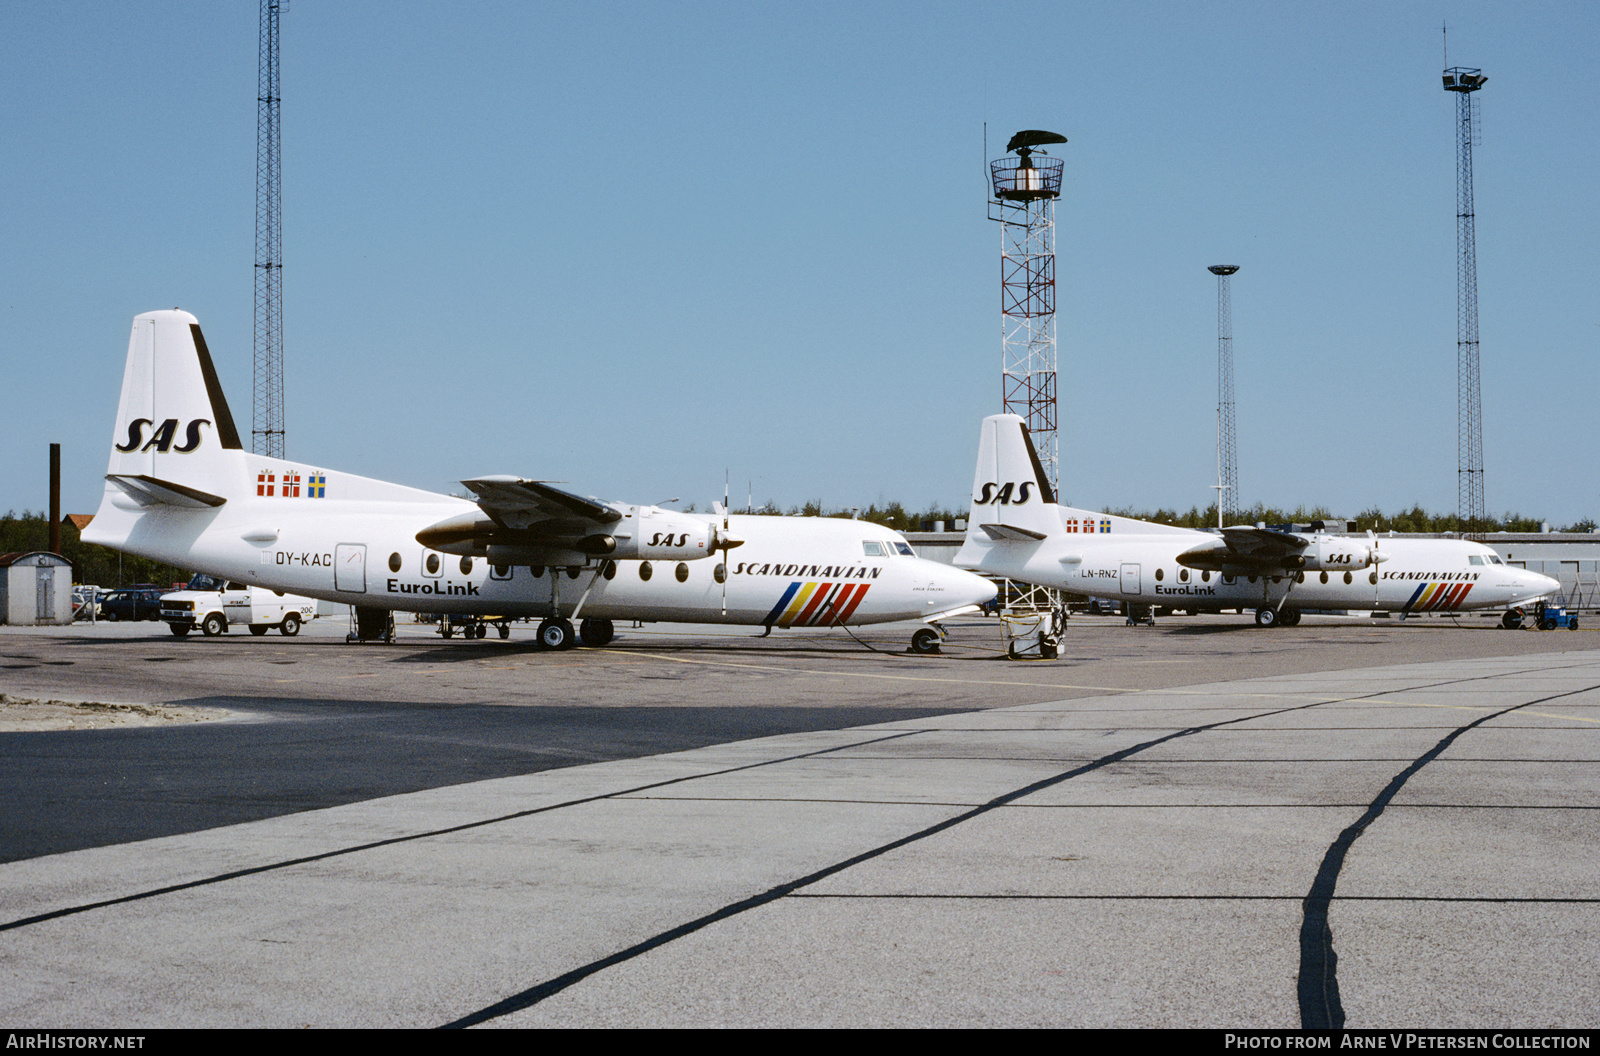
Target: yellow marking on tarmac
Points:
x,y
895,678
1100,689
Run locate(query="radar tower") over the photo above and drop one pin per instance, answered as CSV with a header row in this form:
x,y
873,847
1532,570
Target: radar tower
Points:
x,y
1025,185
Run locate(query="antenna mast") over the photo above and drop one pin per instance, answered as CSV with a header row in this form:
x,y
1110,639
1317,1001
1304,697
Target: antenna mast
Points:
x,y
1227,448
267,432
1469,427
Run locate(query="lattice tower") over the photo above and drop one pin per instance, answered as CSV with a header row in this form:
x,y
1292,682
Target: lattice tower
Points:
x,y
1025,188
1227,443
267,432
1469,401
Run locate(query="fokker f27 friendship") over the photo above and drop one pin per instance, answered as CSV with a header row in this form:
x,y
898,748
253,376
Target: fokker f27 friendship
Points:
x,y
181,489
1018,531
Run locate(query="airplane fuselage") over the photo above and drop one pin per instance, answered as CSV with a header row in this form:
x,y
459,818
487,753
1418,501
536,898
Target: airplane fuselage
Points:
x,y
789,572
1417,575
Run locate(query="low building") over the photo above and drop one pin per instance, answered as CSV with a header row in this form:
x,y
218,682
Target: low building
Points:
x,y
35,588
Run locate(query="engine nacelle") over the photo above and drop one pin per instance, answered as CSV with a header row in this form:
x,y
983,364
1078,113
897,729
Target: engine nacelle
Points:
x,y
1333,554
654,534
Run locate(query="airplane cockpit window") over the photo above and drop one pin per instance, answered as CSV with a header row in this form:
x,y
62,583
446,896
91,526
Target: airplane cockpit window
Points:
x,y
904,548
1494,559
1474,559
872,547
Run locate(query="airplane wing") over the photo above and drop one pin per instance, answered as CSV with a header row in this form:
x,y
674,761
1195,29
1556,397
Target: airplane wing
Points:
x,y
512,502
1241,546
530,522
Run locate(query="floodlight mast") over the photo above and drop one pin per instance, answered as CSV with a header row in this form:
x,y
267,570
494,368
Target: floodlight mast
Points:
x,y
1469,403
1024,188
1227,448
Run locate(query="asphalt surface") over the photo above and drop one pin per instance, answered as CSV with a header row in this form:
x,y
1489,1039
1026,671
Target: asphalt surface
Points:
x,y
1351,823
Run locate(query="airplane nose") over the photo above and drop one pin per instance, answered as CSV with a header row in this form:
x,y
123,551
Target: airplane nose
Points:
x,y
1531,585
965,588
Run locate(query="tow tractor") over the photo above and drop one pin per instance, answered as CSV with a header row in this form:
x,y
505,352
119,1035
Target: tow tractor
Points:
x,y
1547,616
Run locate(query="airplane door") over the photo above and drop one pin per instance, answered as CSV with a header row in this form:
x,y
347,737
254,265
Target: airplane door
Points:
x,y
350,568
1130,579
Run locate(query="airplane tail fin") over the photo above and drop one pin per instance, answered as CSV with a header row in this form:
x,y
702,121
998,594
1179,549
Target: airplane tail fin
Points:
x,y
176,443
1011,499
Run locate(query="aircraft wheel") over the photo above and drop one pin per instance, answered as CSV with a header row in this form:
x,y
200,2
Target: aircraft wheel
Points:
x,y
483,629
1512,620
1266,618
597,632
447,630
291,625
556,634
258,629
505,630
1290,617
179,629
214,625
925,641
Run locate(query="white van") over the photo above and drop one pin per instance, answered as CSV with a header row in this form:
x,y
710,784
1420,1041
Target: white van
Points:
x,y
214,605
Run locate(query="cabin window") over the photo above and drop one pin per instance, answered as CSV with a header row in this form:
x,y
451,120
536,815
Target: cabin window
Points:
x,y
394,562
572,571
432,564
536,570
1228,580
611,570
1252,579
466,566
720,573
499,571
645,570
682,572
1183,575
1205,577
1324,577
1348,578
872,548
1159,574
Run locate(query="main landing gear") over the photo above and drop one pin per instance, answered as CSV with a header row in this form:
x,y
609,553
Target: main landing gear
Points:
x,y
557,633
1275,618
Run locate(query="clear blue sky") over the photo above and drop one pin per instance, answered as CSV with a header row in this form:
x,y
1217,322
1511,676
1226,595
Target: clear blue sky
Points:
x,y
628,245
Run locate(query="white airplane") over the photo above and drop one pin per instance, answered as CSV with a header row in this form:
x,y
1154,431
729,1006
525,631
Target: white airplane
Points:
x,y
182,489
1017,530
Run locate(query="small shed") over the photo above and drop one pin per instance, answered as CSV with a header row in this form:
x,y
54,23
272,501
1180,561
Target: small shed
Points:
x,y
35,588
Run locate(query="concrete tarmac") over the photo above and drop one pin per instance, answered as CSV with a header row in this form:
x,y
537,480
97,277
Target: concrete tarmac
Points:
x,y
1198,824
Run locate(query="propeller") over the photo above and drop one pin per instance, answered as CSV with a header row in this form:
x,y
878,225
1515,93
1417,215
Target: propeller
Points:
x,y
725,539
